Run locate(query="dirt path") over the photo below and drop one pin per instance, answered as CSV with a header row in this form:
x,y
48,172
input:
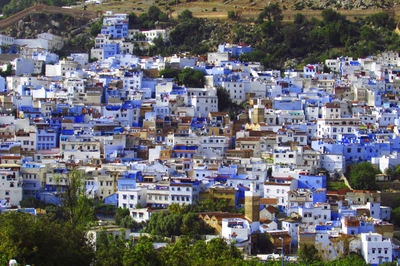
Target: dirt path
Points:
x,y
10,21
288,15
346,182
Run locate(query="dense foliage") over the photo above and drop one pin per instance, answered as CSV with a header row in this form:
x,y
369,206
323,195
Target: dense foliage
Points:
x,y
362,176
95,28
3,3
60,237
308,254
306,41
303,41
396,211
191,78
315,40
187,76
9,8
183,220
225,102
42,241
7,72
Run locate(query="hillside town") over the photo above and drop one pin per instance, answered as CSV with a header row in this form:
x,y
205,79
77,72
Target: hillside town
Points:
x,y
145,142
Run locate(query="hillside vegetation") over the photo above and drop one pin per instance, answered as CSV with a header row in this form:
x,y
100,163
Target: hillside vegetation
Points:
x,y
277,44
10,7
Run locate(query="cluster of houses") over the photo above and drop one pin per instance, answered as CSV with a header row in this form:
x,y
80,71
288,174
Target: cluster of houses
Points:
x,y
144,142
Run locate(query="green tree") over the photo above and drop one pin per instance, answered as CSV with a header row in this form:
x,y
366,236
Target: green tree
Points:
x,y
396,216
362,176
120,214
76,208
164,224
219,251
190,224
169,73
141,253
133,20
179,254
352,260
129,222
231,14
123,218
381,19
299,19
224,99
253,56
109,249
396,202
397,170
42,241
272,12
264,244
95,28
390,172
308,254
185,15
191,78
155,14
225,102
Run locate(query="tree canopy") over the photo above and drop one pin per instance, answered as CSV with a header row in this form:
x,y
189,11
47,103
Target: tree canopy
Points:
x,y
362,176
169,73
304,40
185,15
308,254
42,241
225,102
191,78
10,7
76,208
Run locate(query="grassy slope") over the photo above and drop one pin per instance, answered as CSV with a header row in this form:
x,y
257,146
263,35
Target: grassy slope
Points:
x,y
204,8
